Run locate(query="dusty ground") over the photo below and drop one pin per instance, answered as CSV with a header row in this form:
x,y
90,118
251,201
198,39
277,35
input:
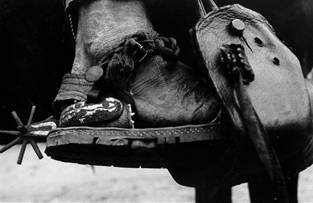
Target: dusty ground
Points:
x,y
51,181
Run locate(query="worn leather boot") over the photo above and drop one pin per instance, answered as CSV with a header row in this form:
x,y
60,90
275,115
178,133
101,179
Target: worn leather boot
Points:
x,y
134,65
162,90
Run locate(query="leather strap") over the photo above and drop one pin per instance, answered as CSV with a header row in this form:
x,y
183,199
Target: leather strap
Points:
x,y
261,141
74,87
234,96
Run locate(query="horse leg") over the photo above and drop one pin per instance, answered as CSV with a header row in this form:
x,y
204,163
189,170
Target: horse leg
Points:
x,y
223,196
261,192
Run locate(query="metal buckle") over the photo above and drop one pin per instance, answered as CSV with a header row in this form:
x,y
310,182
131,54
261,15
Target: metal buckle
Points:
x,y
140,53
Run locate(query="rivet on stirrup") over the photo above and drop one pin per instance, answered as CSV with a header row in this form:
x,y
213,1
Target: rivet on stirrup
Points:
x,y
237,27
